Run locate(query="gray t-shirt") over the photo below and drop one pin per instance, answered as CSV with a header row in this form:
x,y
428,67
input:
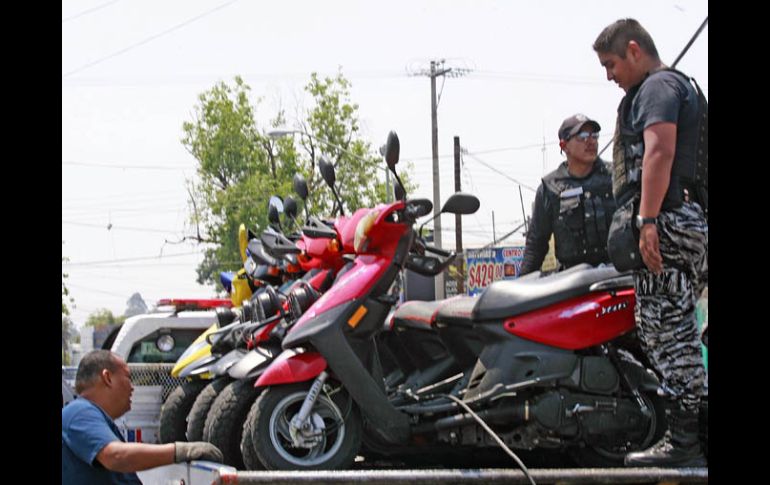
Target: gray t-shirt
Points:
x,y
668,97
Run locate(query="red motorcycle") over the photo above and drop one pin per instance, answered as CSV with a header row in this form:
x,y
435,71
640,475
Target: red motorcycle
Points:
x,y
545,368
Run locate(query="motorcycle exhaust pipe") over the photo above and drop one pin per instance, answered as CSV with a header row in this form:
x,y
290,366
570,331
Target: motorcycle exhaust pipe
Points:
x,y
505,415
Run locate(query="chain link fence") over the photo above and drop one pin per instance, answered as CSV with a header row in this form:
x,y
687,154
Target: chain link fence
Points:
x,y
155,375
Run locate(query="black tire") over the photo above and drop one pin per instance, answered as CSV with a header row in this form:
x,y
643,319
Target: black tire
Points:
x,y
173,413
224,423
273,446
249,454
196,418
602,457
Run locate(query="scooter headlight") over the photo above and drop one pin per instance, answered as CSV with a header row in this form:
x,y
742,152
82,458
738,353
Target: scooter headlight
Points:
x,y
361,240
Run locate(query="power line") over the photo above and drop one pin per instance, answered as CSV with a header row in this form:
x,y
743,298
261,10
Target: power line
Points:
x,y
148,39
125,260
182,167
490,150
498,171
90,10
110,227
128,196
517,76
126,213
120,295
142,167
196,79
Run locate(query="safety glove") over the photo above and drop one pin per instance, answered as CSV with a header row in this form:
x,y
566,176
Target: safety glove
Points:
x,y
196,450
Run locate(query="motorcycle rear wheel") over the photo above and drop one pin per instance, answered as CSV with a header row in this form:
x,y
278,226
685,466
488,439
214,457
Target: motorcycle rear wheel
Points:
x,y
599,456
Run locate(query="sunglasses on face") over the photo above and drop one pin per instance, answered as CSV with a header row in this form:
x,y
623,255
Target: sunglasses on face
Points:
x,y
585,135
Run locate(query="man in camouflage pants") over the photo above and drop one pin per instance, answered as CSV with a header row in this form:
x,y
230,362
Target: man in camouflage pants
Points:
x,y
656,159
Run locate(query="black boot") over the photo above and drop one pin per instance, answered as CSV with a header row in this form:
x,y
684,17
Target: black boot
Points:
x,y
679,447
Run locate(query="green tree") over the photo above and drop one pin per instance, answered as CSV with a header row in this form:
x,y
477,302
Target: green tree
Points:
x,y
65,292
240,167
67,327
67,332
103,317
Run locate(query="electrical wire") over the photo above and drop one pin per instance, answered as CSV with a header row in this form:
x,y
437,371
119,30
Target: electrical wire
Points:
x,y
142,258
111,227
498,171
494,437
142,167
145,41
86,12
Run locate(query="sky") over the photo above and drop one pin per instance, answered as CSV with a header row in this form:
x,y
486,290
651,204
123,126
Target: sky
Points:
x,y
132,72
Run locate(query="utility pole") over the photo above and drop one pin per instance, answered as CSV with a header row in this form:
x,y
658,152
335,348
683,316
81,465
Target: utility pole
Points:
x,y
523,212
437,69
439,280
388,193
460,266
494,234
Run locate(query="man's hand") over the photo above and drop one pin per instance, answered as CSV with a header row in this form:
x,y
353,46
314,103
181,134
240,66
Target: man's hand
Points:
x,y
196,450
649,249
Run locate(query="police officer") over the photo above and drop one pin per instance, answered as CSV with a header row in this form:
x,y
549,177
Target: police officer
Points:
x,y
574,202
660,164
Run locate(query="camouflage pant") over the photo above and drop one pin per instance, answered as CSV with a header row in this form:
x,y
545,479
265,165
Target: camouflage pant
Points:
x,y
665,304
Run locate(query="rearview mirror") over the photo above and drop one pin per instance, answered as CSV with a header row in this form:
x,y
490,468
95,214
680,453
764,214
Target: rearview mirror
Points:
x,y
274,208
460,203
290,207
300,186
327,171
392,150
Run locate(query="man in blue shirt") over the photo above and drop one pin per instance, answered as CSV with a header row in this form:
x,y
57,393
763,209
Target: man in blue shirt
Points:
x,y
93,450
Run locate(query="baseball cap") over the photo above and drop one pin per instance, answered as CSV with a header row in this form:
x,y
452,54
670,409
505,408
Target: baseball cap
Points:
x,y
572,125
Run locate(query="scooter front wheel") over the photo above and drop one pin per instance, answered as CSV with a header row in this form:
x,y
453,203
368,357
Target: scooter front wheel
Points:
x,y
330,439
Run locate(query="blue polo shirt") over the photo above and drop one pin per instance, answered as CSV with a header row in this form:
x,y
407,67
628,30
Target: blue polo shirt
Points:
x,y
85,430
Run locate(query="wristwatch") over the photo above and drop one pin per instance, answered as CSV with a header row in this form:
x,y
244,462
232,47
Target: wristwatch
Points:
x,y
640,221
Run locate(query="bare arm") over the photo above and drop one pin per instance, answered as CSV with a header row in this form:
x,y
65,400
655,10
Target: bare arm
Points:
x,y
133,457
659,149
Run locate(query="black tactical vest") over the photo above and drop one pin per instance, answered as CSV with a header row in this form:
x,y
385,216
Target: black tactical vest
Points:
x,y
584,208
689,172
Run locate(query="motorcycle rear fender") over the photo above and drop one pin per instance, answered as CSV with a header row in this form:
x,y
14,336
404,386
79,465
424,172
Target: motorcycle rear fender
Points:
x,y
291,367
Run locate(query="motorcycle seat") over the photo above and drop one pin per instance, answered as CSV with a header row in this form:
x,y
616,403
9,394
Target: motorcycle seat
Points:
x,y
508,298
457,311
416,314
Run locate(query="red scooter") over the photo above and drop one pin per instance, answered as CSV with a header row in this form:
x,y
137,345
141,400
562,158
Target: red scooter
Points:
x,y
547,373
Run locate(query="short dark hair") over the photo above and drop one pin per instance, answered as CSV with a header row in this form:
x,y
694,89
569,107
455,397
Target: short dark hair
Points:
x,y
615,37
91,365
